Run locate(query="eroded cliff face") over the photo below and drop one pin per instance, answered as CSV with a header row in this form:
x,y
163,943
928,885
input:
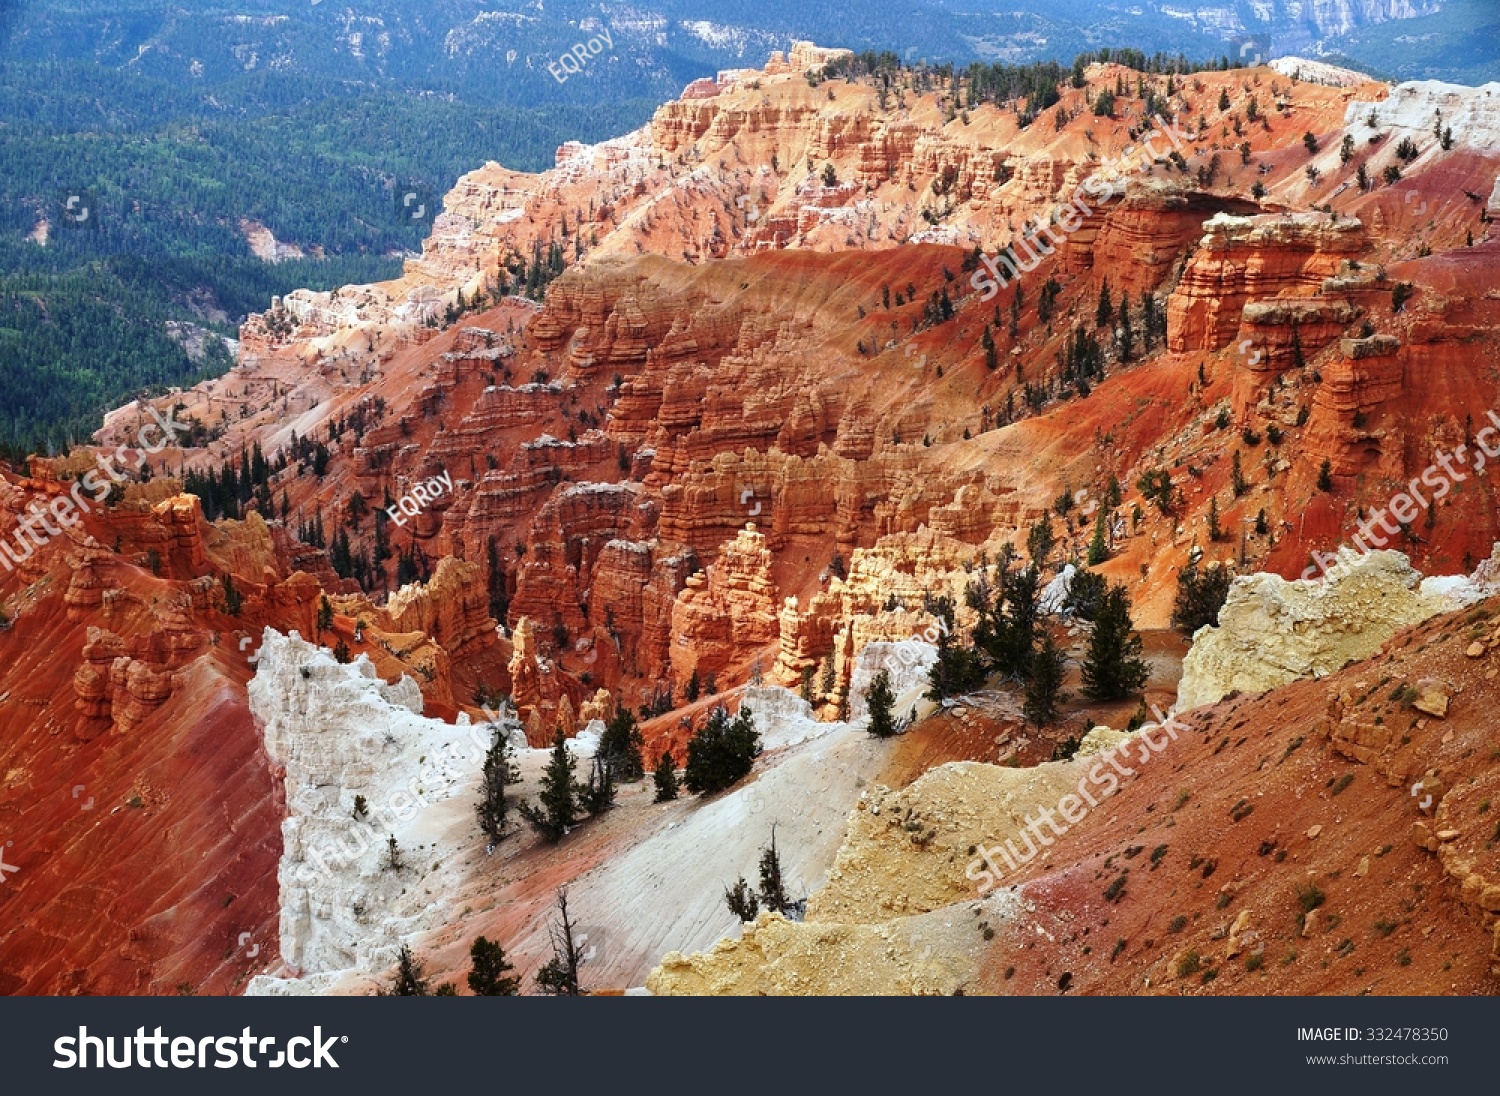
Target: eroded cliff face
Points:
x,y
737,342
766,415
977,878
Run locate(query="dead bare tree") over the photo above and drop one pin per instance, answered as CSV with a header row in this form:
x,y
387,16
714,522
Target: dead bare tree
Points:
x,y
559,976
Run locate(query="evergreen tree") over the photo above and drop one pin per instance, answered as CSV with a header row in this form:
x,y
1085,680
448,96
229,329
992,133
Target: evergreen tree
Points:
x,y
489,973
694,687
879,701
827,681
1127,333
1113,668
773,894
742,901
409,980
1044,688
621,744
499,773
558,794
1325,475
1007,632
722,752
665,777
1086,594
599,794
1098,547
1104,315
232,598
1200,596
1040,541
958,670
325,614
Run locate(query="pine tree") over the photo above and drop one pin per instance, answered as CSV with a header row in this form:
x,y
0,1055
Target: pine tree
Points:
x,y
599,794
879,701
1007,630
620,745
232,598
1105,313
1215,533
409,980
1113,668
694,687
742,901
958,670
1325,475
489,974
773,894
1200,596
325,615
1040,541
1098,547
665,776
1044,689
499,773
722,752
1127,333
558,794
559,976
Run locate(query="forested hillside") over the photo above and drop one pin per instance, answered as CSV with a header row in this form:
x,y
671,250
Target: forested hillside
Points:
x,y
127,200
143,146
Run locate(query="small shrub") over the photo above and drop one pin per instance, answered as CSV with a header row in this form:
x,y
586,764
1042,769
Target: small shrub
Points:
x,y
1309,897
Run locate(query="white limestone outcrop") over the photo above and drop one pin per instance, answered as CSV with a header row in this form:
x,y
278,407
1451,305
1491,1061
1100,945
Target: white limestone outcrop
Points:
x,y
1273,631
338,731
